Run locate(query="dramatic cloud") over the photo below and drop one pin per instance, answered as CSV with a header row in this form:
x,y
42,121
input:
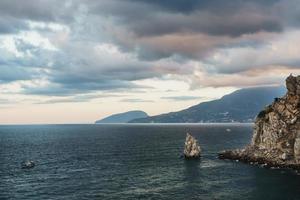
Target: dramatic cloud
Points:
x,y
283,50
74,47
156,29
15,14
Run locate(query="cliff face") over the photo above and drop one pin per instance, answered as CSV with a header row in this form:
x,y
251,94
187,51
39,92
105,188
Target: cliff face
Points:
x,y
276,137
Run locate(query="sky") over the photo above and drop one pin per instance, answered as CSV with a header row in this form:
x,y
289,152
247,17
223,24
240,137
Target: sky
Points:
x,y
76,61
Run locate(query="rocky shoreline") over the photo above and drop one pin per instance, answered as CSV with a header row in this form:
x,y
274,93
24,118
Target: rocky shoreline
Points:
x,y
276,138
253,160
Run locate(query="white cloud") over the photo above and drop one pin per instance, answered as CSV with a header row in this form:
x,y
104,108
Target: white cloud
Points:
x,y
282,50
7,43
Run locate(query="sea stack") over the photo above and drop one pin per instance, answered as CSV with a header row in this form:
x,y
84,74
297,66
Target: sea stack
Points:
x,y
276,137
191,148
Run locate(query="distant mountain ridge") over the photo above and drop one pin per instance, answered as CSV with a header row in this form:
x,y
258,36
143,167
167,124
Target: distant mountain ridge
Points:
x,y
123,117
240,106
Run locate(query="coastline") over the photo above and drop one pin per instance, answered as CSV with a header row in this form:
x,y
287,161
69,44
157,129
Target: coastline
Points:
x,y
135,124
241,156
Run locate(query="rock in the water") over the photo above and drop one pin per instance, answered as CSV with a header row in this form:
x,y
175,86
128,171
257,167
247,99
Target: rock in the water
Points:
x,y
191,147
27,164
276,137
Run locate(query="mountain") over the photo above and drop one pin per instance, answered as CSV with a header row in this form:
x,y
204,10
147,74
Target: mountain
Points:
x,y
240,106
123,117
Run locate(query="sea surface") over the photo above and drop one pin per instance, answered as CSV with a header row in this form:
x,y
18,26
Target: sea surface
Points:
x,y
133,162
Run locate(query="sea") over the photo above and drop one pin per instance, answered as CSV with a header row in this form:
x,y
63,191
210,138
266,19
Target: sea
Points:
x,y
134,161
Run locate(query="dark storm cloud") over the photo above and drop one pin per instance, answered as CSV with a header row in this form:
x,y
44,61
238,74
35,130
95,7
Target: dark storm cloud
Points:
x,y
148,18
186,6
214,17
156,17
150,31
198,28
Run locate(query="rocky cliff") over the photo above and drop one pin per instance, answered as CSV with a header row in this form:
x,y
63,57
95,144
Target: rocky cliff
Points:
x,y
276,137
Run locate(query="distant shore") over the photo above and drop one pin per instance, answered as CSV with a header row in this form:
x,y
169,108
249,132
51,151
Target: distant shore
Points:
x,y
133,124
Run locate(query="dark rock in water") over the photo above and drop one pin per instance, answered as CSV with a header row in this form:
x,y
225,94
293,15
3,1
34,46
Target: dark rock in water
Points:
x,y
27,164
276,137
191,147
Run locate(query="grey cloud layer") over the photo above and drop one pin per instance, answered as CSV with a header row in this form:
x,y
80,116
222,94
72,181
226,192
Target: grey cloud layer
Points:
x,y
14,13
154,39
158,29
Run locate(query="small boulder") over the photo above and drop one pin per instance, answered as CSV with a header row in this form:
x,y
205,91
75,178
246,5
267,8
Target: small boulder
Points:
x,y
191,147
28,164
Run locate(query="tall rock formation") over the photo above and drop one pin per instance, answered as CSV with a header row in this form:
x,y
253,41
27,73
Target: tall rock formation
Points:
x,y
276,137
191,147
